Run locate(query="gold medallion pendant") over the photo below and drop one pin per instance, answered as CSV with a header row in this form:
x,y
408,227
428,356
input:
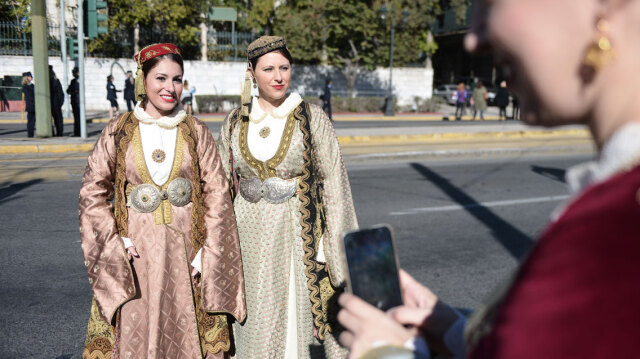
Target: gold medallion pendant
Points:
x,y
265,132
158,155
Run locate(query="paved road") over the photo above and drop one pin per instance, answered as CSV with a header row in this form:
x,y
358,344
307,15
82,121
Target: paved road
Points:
x,y
460,225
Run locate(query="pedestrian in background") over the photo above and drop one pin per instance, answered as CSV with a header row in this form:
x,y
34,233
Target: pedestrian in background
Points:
x,y
114,110
187,98
515,111
57,100
479,97
576,293
502,100
326,98
29,102
461,100
129,91
4,103
74,92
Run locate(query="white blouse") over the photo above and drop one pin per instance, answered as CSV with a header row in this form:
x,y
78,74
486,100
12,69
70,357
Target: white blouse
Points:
x,y
264,148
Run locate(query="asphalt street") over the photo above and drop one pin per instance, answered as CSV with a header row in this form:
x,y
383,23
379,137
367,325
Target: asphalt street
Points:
x,y
460,224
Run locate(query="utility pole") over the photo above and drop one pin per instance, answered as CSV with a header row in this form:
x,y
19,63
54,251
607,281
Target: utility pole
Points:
x,y
41,68
63,51
83,116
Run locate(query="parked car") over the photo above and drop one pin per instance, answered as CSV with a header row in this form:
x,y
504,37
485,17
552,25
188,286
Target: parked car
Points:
x,y
447,92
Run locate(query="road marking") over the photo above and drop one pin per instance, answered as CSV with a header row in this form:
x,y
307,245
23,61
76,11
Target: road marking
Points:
x,y
457,207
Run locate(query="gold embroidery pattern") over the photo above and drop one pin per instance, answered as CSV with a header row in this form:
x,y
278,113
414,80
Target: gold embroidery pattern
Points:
x,y
125,131
322,293
189,135
99,341
267,169
212,328
162,214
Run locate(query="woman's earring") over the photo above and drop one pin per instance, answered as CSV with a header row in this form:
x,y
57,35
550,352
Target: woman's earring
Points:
x,y
255,84
600,53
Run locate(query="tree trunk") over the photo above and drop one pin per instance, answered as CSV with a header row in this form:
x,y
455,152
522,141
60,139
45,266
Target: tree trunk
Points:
x,y
203,42
350,72
136,38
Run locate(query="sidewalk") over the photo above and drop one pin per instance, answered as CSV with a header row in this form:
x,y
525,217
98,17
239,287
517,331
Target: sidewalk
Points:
x,y
382,132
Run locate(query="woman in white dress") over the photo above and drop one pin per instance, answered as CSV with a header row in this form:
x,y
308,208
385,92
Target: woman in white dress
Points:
x,y
292,200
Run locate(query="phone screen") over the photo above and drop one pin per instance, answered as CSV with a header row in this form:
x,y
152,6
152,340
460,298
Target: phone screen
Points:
x,y
373,269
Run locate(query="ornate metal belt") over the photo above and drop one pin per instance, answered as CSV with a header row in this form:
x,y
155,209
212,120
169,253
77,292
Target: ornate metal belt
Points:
x,y
273,189
146,197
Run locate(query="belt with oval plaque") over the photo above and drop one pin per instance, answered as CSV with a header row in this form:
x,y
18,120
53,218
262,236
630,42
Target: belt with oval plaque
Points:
x,y
273,190
145,198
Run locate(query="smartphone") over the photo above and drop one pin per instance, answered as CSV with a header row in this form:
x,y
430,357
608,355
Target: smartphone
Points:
x,y
372,264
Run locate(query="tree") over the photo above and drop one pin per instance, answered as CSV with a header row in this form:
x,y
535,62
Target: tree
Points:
x,y
175,21
351,35
15,11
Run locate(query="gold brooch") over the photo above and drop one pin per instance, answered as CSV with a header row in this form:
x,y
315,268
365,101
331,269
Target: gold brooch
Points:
x,y
265,132
158,155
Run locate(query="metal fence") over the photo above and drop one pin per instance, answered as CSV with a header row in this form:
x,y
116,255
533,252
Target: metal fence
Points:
x,y
16,40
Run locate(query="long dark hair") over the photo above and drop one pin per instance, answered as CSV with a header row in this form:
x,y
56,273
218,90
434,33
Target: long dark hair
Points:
x,y
150,64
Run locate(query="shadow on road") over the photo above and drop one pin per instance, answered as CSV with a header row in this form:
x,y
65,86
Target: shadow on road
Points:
x,y
511,238
13,132
6,192
555,174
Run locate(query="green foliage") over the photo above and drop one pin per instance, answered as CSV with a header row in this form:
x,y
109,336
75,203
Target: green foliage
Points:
x,y
14,10
427,43
460,9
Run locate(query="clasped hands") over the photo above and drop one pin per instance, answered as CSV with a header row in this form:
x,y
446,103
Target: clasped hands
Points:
x,y
421,315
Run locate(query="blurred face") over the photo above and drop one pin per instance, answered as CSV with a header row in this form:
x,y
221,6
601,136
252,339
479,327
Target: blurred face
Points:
x,y
273,76
540,44
163,85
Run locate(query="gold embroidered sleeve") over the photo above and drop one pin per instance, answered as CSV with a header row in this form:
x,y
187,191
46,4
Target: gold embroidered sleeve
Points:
x,y
105,257
337,200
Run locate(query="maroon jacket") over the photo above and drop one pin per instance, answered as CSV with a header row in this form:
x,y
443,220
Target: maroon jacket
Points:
x,y
578,294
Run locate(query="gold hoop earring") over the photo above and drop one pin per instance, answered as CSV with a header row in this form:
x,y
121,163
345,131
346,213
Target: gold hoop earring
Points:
x,y
600,53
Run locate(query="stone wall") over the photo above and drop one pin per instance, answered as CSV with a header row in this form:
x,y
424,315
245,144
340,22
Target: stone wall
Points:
x,y
226,78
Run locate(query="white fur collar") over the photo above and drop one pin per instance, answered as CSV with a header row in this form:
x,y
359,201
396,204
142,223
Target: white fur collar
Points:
x,y
281,112
168,122
621,152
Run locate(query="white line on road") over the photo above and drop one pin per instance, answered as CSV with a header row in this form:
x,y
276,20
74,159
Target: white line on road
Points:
x,y
457,207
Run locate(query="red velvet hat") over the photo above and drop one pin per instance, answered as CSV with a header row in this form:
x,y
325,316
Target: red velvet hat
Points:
x,y
156,50
147,54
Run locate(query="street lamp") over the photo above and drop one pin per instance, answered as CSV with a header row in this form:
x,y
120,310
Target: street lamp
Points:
x,y
383,15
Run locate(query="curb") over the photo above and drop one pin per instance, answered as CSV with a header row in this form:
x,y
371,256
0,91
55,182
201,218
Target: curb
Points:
x,y
22,149
350,118
452,136
343,140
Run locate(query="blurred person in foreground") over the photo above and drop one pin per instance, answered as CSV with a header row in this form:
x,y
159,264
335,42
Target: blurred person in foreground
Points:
x,y
292,200
576,294
158,231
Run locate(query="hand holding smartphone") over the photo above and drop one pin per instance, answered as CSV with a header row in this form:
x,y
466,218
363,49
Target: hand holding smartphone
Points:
x,y
372,264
